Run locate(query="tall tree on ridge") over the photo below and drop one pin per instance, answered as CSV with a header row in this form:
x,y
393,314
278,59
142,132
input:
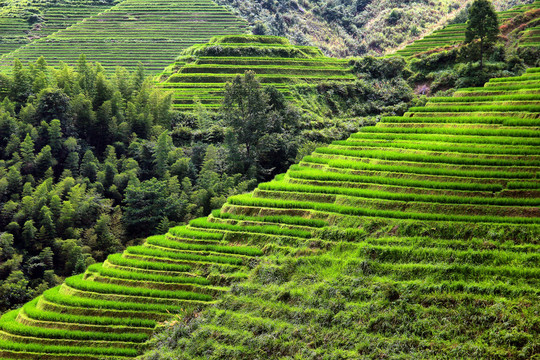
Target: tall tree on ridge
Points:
x,y
483,25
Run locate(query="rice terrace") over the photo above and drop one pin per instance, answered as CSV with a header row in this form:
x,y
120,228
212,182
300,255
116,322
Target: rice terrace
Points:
x,y
301,179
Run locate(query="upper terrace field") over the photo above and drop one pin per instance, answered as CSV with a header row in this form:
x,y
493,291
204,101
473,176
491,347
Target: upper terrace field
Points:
x,y
133,31
18,29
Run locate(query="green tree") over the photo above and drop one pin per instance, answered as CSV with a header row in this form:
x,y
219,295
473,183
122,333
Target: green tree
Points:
x,y
89,166
103,90
27,154
14,179
122,82
14,291
482,26
55,137
12,148
245,108
106,242
72,163
109,174
164,226
55,104
146,205
29,234
182,167
48,229
138,77
44,160
86,76
41,64
71,257
84,117
6,246
47,256
161,154
56,206
20,87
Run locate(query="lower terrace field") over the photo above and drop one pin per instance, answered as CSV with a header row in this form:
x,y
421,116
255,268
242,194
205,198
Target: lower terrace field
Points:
x,y
133,31
416,238
424,243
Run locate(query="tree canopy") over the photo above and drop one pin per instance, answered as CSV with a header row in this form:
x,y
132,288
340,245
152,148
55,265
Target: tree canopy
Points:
x,y
482,26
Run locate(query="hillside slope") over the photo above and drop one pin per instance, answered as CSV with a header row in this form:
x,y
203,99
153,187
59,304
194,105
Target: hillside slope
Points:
x,y
414,238
419,240
133,31
351,28
22,22
527,18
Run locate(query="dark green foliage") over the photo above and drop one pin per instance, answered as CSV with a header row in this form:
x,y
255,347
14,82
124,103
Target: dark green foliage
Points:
x,y
87,163
263,127
482,25
381,68
54,104
147,204
245,106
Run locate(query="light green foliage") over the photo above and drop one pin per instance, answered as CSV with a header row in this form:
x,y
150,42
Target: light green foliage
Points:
x,y
184,257
132,275
7,323
268,229
33,312
240,250
55,296
77,282
117,259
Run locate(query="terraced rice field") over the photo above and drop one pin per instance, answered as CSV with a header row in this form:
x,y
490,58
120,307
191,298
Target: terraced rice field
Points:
x,y
531,36
453,35
110,311
13,33
424,241
17,32
441,205
132,31
201,74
